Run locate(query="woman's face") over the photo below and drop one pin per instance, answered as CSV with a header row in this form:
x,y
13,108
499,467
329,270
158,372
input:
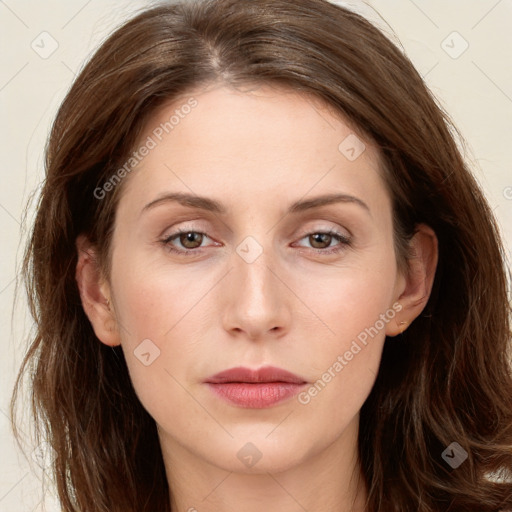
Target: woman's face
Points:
x,y
258,281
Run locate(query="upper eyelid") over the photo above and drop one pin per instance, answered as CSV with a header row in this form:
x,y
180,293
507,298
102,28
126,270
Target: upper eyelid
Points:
x,y
308,231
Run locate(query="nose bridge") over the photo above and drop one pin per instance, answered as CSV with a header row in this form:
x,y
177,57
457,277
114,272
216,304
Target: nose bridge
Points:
x,y
256,304
253,264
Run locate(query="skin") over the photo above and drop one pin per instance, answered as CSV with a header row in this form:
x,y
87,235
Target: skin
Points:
x,y
256,151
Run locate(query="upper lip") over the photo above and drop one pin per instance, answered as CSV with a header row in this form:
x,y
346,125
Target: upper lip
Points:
x,y
265,374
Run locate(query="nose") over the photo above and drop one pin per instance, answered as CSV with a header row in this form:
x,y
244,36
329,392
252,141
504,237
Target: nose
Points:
x,y
256,299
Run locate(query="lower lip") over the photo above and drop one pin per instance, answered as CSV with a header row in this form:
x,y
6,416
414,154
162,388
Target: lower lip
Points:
x,y
257,395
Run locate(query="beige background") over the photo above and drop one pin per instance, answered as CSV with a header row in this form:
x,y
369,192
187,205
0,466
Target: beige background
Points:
x,y
469,71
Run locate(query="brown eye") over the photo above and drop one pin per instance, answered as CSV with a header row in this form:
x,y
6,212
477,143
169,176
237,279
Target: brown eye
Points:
x,y
320,240
191,239
185,242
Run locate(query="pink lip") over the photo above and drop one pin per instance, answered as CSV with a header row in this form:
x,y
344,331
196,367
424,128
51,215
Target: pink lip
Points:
x,y
255,389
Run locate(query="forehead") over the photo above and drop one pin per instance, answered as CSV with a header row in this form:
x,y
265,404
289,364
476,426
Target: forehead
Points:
x,y
249,142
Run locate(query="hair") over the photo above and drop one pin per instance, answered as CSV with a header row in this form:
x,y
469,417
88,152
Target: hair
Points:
x,y
446,378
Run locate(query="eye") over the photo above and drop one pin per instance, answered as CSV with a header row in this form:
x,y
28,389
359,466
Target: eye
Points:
x,y
321,241
190,241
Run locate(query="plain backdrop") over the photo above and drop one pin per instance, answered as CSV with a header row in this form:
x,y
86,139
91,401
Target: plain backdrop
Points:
x,y
463,49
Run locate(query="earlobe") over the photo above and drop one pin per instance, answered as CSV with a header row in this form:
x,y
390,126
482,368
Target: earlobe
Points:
x,y
95,294
419,279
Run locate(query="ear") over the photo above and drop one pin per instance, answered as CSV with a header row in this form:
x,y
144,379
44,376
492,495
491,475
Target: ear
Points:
x,y
417,283
95,293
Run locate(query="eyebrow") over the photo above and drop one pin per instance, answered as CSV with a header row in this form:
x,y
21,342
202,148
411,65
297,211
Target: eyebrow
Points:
x,y
211,205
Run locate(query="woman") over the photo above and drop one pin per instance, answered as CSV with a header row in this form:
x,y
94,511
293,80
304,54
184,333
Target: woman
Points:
x,y
212,163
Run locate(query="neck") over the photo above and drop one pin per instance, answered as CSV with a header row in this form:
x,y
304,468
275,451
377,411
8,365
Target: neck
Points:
x,y
326,481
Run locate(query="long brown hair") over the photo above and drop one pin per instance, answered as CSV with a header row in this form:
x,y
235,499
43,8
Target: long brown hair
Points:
x,y
445,379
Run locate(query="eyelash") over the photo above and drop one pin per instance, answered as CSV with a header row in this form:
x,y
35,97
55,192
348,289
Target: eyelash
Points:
x,y
343,239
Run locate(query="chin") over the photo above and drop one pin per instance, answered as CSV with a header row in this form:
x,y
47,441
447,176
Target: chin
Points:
x,y
257,454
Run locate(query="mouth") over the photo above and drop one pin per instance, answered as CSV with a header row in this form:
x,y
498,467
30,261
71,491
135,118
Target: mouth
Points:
x,y
255,389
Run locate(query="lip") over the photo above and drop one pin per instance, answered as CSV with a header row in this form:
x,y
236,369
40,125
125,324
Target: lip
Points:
x,y
256,389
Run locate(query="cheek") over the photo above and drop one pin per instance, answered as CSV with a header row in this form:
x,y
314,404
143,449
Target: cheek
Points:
x,y
168,331
151,302
345,358
351,298
163,314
